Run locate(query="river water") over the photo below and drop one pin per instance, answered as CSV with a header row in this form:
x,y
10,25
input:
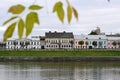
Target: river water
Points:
x,y
60,71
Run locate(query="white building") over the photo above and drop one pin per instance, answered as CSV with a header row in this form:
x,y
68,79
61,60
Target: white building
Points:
x,y
97,41
23,44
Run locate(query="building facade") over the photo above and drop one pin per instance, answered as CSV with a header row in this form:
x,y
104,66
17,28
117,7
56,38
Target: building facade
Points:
x,y
113,41
90,41
59,40
23,44
97,41
64,40
80,42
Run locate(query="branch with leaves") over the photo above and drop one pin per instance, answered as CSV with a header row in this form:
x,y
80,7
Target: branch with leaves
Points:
x,y
32,18
28,24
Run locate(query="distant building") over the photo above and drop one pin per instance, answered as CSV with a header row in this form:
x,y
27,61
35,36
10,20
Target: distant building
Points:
x,y
63,40
59,40
23,44
42,42
78,45
113,41
101,41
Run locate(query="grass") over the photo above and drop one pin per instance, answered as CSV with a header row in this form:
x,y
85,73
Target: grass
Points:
x,y
64,53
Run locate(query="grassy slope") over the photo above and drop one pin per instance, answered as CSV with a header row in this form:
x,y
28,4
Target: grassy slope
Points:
x,y
62,53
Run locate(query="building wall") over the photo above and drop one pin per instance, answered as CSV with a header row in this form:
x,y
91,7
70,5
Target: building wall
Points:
x,y
33,44
111,46
78,46
56,43
100,43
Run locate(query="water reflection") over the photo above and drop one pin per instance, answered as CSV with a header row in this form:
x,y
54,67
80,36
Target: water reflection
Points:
x,y
60,71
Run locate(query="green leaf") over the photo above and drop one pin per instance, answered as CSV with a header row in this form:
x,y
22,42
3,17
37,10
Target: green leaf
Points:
x,y
58,8
35,7
75,13
69,13
20,28
9,32
16,9
10,20
31,19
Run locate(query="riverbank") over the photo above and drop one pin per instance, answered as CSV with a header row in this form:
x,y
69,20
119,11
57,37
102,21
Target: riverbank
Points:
x,y
59,55
58,59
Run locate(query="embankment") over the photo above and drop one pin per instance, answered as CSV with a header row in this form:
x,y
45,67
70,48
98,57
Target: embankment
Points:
x,y
56,59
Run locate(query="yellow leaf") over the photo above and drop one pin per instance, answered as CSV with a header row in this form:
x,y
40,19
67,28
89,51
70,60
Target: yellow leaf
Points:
x,y
9,32
58,8
31,19
16,9
10,20
35,7
69,13
75,13
20,28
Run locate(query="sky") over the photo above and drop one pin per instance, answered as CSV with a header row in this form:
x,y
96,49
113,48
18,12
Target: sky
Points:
x,y
92,13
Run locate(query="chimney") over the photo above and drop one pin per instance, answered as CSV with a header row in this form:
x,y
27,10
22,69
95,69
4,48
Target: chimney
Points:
x,y
55,31
49,31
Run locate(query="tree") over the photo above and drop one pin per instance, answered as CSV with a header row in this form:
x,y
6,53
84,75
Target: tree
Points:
x,y
114,44
93,33
27,25
15,43
72,42
22,44
94,43
81,43
27,43
32,17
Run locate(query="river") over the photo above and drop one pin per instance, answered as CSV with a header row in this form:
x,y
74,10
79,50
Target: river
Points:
x,y
59,71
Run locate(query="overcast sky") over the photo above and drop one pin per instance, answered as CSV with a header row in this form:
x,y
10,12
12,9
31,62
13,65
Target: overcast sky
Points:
x,y
92,13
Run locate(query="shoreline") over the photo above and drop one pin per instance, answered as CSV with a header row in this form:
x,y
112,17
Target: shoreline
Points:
x,y
58,59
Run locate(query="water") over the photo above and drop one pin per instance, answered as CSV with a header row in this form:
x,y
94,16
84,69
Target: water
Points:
x,y
60,71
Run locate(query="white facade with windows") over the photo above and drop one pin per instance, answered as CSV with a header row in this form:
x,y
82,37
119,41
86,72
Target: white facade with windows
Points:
x,y
56,43
23,44
101,41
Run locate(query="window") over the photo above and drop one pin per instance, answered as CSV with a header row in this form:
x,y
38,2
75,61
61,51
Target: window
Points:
x,y
69,46
86,38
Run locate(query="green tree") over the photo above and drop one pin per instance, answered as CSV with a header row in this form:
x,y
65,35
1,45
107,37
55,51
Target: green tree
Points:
x,y
93,33
27,43
15,43
94,43
72,42
114,43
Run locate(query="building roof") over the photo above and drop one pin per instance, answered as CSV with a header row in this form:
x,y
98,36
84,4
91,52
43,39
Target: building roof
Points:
x,y
59,35
83,37
113,37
